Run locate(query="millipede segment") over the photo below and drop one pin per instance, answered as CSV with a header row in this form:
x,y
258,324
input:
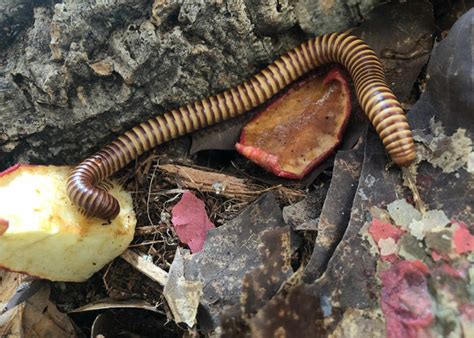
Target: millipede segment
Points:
x,y
375,97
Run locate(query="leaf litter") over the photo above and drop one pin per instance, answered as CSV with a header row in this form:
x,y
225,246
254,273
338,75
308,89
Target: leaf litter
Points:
x,y
37,316
182,296
292,306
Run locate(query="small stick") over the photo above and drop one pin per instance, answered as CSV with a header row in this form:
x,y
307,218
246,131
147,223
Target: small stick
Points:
x,y
146,267
420,205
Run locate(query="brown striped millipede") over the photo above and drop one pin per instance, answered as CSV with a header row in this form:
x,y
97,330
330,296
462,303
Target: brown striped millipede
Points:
x,y
376,99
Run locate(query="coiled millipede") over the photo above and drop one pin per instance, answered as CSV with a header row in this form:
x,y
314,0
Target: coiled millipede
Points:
x,y
375,98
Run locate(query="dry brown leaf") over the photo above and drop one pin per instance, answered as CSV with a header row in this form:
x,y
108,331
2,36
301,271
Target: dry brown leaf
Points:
x,y
36,317
182,295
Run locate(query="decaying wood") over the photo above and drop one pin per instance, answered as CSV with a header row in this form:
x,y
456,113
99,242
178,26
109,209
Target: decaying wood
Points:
x,y
221,184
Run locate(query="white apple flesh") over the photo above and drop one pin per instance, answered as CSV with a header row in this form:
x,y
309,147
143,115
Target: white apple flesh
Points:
x,y
43,234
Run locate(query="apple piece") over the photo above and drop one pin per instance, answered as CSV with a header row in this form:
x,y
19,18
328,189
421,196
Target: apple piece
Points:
x,y
43,234
301,128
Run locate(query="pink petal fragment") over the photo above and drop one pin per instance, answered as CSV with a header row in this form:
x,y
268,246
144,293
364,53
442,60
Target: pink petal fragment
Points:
x,y
191,221
405,300
462,238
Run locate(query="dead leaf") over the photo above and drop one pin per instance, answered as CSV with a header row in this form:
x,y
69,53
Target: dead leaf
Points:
x,y
222,136
10,320
376,186
191,222
27,288
448,94
336,209
304,215
295,312
444,108
261,284
182,296
35,317
229,253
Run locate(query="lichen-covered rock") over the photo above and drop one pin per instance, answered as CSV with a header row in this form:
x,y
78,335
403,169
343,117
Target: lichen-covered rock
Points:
x,y
316,17
14,16
77,73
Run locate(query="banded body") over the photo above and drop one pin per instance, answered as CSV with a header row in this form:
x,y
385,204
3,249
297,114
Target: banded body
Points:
x,y
375,98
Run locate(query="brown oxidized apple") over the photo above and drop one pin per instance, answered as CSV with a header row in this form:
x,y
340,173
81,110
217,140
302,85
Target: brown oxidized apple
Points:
x,y
301,128
43,234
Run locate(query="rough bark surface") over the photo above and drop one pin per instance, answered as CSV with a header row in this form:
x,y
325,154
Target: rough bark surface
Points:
x,y
75,74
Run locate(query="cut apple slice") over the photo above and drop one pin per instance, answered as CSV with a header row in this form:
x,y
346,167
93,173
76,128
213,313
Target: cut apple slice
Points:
x,y
301,128
43,234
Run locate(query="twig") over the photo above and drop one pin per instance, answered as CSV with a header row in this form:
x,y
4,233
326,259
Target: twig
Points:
x,y
420,205
146,267
149,195
221,184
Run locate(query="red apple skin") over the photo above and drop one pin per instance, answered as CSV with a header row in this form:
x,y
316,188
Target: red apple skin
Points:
x,y
3,225
10,170
270,162
22,272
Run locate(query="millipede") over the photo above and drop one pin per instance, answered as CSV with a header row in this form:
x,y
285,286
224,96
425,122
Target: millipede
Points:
x,y
375,97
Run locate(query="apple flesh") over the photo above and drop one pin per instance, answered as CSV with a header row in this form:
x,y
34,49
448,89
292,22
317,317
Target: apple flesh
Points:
x,y
301,128
43,234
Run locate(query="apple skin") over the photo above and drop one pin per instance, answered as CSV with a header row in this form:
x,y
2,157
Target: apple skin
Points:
x,y
43,234
271,160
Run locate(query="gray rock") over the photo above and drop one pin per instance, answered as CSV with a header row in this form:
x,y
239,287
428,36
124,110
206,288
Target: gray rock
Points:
x,y
15,15
317,17
76,74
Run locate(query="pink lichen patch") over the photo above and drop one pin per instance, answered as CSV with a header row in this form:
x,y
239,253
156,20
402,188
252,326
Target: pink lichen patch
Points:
x,y
382,230
467,310
467,319
191,221
3,226
451,271
436,256
387,246
463,240
405,300
301,128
